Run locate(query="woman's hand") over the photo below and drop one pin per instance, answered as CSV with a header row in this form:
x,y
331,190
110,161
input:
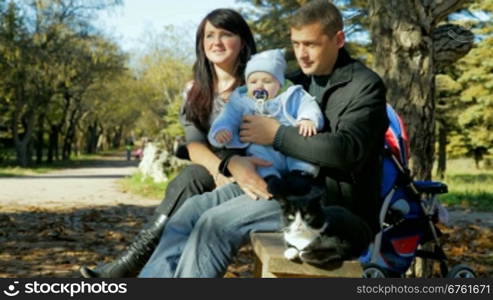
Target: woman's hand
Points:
x,y
244,172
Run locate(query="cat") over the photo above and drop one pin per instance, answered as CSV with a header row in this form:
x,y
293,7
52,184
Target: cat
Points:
x,y
305,223
308,234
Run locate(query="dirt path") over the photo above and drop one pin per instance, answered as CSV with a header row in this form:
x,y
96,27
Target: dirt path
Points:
x,y
468,217
53,223
92,185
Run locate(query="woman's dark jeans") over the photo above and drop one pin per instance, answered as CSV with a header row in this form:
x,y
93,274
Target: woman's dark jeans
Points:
x,y
192,180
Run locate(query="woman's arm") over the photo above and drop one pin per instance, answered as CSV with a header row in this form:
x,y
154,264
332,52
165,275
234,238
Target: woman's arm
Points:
x,y
244,171
202,155
198,149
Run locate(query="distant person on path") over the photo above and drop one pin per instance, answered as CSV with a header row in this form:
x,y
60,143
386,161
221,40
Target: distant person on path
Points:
x,y
128,149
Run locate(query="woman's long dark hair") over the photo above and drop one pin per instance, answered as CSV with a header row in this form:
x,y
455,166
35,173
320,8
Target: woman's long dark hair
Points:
x,y
201,95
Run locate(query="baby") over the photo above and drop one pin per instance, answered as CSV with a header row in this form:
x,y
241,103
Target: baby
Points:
x,y
264,75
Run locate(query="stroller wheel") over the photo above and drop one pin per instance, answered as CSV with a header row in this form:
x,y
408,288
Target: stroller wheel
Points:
x,y
374,271
461,271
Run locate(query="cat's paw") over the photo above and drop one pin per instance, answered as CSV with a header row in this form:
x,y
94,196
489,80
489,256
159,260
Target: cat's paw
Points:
x,y
291,253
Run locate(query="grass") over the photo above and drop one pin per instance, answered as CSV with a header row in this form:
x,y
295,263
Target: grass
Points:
x,y
145,187
468,187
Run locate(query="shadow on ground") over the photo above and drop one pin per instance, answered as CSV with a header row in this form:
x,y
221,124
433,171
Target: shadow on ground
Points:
x,y
42,243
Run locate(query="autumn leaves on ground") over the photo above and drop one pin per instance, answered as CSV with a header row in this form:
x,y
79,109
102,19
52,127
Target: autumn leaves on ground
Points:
x,y
50,237
51,224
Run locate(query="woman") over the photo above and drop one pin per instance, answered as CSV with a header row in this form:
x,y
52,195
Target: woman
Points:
x,y
224,43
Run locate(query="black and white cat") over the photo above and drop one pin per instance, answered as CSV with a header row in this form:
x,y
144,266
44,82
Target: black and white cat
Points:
x,y
305,223
309,234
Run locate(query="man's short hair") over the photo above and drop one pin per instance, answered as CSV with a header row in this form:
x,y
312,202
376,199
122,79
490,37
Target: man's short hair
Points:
x,y
322,11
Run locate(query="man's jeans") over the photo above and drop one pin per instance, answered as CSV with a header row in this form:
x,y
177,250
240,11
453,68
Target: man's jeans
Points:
x,y
202,237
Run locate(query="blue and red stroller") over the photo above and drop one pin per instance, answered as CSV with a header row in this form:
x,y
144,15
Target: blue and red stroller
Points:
x,y
408,216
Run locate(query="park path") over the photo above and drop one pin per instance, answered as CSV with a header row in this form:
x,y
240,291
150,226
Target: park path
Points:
x,y
92,184
53,223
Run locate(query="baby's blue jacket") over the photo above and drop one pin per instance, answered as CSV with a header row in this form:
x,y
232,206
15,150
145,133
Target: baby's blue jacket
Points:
x,y
288,108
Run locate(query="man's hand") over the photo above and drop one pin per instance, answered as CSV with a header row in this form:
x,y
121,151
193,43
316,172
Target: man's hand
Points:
x,y
258,130
307,128
244,173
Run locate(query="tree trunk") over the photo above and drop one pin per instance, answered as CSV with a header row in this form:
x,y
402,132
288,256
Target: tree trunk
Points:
x,y
40,139
478,156
442,151
22,143
404,58
57,129
91,134
53,144
117,137
402,35
69,136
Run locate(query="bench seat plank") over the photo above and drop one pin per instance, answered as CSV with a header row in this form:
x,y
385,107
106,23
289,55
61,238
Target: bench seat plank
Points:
x,y
270,261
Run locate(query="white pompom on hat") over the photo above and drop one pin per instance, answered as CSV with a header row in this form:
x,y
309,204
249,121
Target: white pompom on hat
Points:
x,y
270,61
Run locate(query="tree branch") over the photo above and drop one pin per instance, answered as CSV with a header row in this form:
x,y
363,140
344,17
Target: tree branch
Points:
x,y
451,42
441,8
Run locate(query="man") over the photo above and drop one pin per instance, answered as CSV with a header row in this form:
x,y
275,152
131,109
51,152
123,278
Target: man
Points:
x,y
201,239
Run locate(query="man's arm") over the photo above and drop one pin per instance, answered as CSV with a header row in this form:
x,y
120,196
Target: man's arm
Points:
x,y
360,128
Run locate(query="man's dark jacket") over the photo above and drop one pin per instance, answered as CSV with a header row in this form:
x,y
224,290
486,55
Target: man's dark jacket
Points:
x,y
348,148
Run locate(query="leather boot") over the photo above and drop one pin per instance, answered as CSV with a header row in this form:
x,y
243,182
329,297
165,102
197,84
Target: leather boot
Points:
x,y
130,262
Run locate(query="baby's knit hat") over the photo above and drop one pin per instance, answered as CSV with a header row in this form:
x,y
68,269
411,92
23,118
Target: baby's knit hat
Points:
x,y
270,61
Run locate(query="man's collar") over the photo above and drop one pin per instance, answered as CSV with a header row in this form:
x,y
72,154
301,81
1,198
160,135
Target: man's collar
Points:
x,y
343,71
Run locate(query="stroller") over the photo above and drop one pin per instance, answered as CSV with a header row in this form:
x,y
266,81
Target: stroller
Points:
x,y
408,214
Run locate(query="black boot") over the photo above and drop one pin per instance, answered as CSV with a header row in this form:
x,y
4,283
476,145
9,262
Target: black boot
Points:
x,y
135,256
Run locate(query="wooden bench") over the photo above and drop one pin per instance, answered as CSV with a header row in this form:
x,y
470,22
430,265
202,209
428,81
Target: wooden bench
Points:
x,y
271,263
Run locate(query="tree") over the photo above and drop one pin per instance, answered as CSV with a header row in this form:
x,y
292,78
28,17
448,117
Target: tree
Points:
x,y
15,59
163,73
39,37
405,35
462,114
477,119
448,108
